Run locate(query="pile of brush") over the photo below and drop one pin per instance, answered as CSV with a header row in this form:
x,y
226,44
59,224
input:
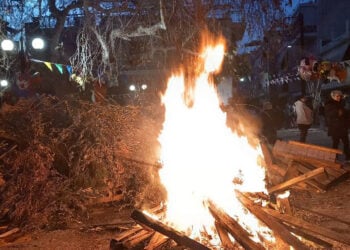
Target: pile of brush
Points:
x,y
57,156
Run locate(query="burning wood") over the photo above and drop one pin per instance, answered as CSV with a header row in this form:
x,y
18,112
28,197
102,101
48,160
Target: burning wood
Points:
x,y
195,139
277,228
180,238
298,179
240,234
323,232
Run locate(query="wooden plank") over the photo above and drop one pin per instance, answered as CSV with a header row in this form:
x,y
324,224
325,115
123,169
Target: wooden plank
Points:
x,y
330,178
137,238
267,154
316,162
157,240
106,199
240,234
306,235
160,227
296,180
9,233
226,242
277,169
322,214
128,233
318,183
325,149
292,220
278,228
318,155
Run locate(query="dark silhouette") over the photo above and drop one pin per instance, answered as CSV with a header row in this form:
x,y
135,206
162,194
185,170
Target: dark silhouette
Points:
x,y
337,121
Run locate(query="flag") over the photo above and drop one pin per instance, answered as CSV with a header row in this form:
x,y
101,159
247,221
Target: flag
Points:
x,y
48,65
69,69
59,67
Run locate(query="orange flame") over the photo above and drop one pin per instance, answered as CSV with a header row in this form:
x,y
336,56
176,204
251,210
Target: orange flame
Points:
x,y
201,156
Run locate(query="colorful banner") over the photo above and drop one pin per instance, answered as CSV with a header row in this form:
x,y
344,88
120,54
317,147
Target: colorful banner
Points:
x,y
59,67
69,69
48,65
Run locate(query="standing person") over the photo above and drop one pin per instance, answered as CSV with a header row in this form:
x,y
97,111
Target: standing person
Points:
x,y
337,121
304,117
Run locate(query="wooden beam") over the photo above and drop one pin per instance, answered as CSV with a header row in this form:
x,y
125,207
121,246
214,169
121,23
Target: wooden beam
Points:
x,y
241,235
308,226
306,235
314,183
322,214
128,233
278,228
224,237
137,238
160,227
316,162
296,180
157,240
325,149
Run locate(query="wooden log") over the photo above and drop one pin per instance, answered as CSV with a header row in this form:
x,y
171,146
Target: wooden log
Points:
x,y
157,240
278,228
345,239
324,149
160,227
276,168
9,233
322,214
306,235
314,183
232,227
296,180
137,238
316,162
283,205
267,154
107,199
128,233
224,238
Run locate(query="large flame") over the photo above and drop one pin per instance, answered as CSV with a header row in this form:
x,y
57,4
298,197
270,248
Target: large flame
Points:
x,y
201,156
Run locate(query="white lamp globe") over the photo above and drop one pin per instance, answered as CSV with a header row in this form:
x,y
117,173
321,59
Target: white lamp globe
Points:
x,y
38,43
132,87
4,83
7,45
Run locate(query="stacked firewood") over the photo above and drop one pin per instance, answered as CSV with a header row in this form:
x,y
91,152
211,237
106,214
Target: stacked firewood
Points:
x,y
300,165
150,233
297,165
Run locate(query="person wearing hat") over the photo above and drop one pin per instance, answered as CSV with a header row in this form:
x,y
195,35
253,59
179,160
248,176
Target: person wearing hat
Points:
x,y
337,121
304,117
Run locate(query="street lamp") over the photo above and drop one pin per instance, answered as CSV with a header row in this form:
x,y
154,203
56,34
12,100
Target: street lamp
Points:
x,y
7,45
4,83
38,43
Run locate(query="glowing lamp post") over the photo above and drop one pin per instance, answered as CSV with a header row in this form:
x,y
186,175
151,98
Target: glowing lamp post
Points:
x,y
7,45
38,43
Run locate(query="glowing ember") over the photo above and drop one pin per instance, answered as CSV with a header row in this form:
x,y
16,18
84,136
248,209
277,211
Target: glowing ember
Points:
x,y
201,156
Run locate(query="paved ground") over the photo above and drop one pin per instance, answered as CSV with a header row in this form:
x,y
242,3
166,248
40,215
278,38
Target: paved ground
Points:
x,y
315,136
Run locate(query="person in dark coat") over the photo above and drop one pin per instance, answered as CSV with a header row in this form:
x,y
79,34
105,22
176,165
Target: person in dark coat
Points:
x,y
337,121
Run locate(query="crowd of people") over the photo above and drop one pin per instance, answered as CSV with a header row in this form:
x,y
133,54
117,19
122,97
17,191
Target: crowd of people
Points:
x,y
331,115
